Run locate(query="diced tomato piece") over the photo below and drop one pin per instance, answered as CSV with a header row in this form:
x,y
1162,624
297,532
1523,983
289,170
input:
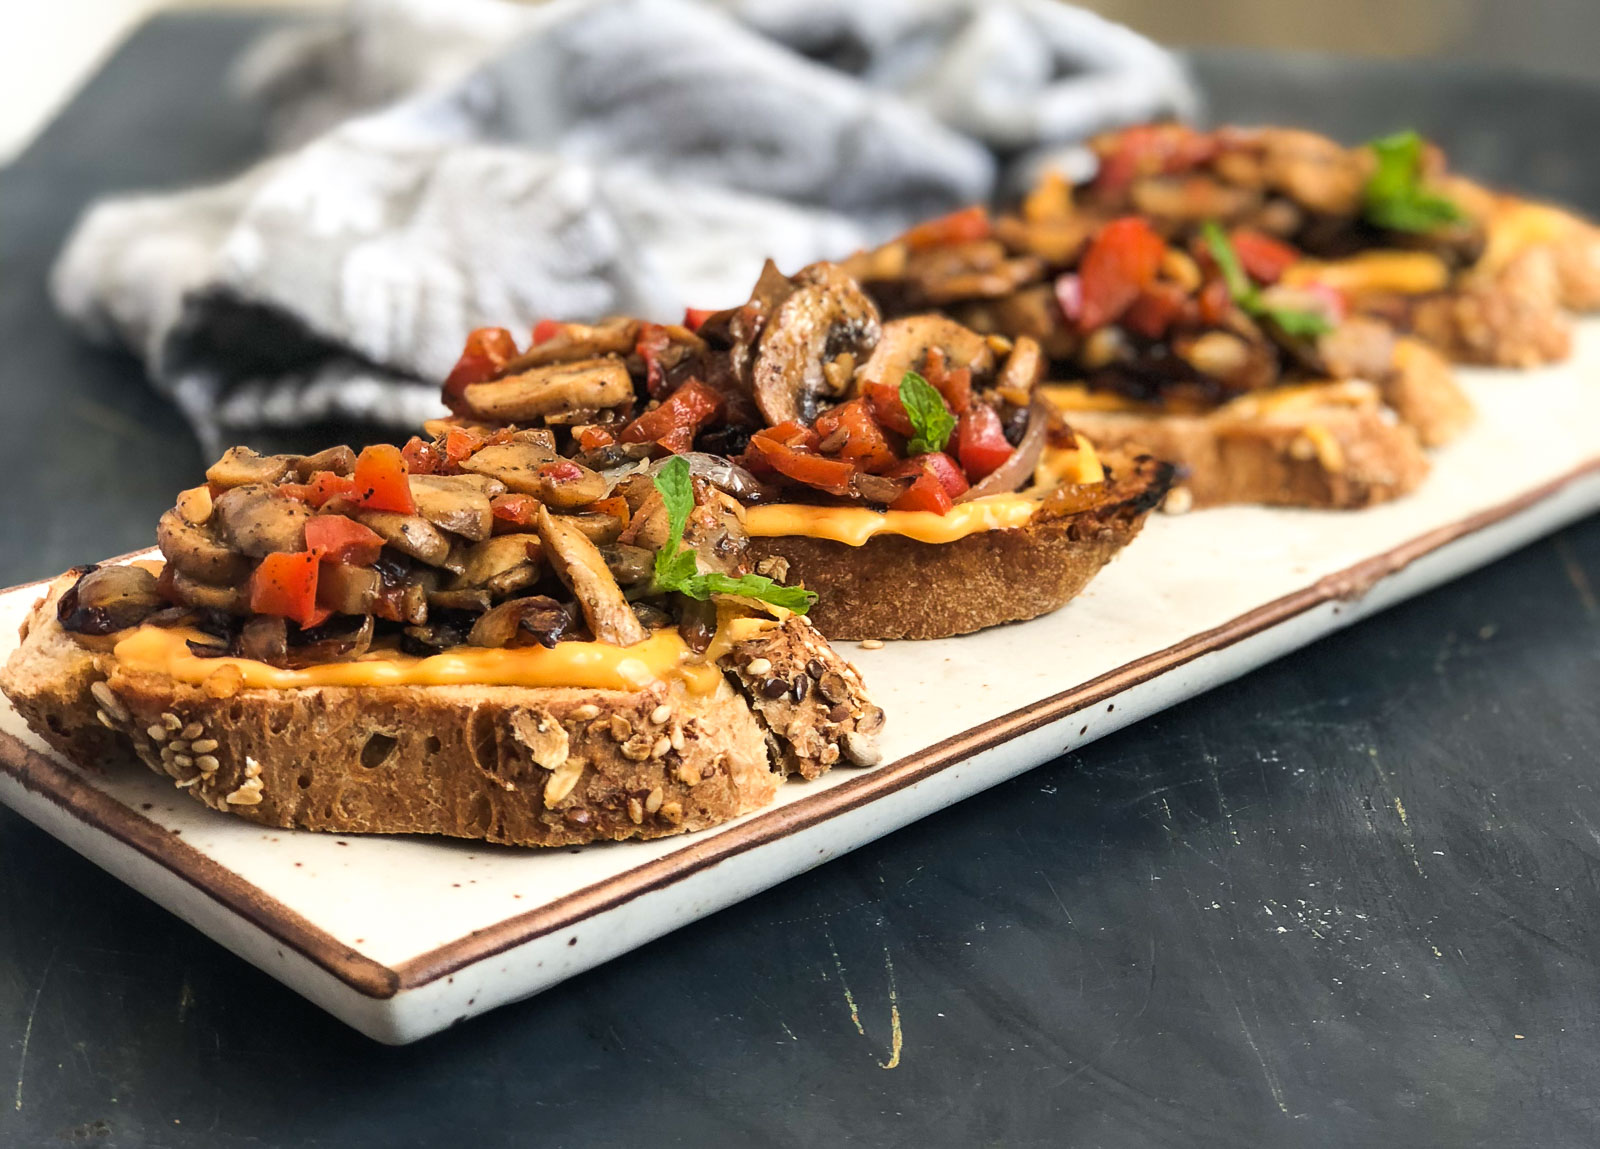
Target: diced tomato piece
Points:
x,y
1150,149
926,494
865,444
546,330
286,585
324,485
678,419
831,475
790,434
1265,259
487,351
981,441
1215,301
616,506
964,226
593,437
942,467
956,387
523,510
1155,310
695,317
884,399
421,456
1122,260
561,471
651,344
336,539
380,480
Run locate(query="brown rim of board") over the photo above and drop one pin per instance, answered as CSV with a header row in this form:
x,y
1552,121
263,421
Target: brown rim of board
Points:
x,y
373,979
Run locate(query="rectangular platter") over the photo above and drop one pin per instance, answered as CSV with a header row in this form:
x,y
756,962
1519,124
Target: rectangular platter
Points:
x,y
401,937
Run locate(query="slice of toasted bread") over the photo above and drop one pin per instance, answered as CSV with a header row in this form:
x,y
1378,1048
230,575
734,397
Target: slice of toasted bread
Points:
x,y
897,587
1330,445
514,765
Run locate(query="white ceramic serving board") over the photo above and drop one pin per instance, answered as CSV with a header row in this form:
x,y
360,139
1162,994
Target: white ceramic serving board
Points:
x,y
402,937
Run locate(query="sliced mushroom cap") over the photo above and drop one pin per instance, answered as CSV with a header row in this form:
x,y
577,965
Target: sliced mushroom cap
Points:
x,y
346,589
195,550
588,385
544,618
232,599
241,465
409,534
255,520
455,503
1024,369
826,317
580,565
530,469
502,564
615,336
340,460
905,344
108,599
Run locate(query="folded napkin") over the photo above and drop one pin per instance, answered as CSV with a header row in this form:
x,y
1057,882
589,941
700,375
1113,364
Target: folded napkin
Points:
x,y
448,164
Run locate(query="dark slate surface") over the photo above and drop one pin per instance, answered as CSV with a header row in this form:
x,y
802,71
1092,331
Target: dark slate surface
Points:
x,y
1349,900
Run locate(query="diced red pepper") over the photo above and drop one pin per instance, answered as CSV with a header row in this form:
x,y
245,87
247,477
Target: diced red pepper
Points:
x,y
1215,302
926,494
421,456
561,471
286,585
487,351
593,437
651,344
380,480
965,226
1265,259
1151,149
521,510
324,485
831,475
1122,260
616,506
336,539
981,441
865,444
678,419
956,387
942,467
1155,310
884,399
694,318
546,330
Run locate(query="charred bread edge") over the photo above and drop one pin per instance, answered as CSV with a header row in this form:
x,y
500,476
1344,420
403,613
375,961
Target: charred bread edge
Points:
x,y
61,785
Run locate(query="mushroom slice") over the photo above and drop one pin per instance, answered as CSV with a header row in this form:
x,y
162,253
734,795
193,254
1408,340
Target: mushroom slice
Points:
x,y
827,316
581,566
587,385
455,503
600,529
339,460
1023,370
497,561
256,520
346,589
190,591
196,552
409,534
615,336
529,468
905,343
241,465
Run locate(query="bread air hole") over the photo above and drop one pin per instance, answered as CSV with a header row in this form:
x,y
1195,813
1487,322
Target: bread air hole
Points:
x,y
433,745
378,750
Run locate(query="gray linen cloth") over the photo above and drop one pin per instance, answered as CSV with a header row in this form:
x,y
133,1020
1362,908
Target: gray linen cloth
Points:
x,y
448,164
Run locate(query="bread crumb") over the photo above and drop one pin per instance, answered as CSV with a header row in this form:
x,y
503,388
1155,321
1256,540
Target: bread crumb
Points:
x,y
872,644
224,682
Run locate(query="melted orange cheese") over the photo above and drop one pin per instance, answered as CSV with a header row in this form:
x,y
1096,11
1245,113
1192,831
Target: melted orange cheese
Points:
x,y
853,526
663,657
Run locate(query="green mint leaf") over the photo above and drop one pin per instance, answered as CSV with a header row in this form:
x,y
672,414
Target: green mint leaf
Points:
x,y
1291,321
1394,197
930,418
1221,248
677,568
794,598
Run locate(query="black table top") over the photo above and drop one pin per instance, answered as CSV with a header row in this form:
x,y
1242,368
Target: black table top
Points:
x,y
1351,899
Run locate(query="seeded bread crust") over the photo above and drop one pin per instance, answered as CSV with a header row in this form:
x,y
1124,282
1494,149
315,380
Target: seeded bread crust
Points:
x,y
895,587
518,766
1226,458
